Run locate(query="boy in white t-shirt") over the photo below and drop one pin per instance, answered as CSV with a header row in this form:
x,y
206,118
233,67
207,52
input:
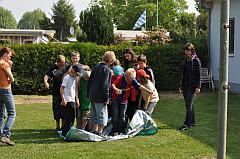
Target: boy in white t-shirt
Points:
x,y
70,99
150,100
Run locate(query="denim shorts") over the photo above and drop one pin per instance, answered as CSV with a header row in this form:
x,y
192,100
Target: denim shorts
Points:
x,y
99,114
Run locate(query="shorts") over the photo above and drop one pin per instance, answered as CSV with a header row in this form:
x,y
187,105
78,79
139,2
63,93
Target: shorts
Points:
x,y
99,114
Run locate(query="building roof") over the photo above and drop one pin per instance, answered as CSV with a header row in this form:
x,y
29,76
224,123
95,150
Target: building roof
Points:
x,y
26,32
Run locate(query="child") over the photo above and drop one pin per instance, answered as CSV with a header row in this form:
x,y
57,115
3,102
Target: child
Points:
x,y
115,63
85,103
78,110
133,99
117,71
129,58
150,100
70,99
99,85
55,74
121,90
142,62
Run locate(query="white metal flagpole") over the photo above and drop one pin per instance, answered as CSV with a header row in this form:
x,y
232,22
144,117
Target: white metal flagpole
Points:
x,y
146,21
157,15
223,80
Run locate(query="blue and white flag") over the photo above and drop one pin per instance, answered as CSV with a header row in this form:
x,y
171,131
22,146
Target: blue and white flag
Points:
x,y
141,20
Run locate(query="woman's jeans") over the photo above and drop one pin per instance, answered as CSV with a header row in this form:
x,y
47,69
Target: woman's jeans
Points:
x,y
7,101
189,97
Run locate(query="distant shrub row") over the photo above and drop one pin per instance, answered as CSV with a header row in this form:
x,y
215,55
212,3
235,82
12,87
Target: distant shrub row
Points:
x,y
32,61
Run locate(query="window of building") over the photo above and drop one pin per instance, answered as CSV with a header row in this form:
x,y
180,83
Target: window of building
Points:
x,y
231,35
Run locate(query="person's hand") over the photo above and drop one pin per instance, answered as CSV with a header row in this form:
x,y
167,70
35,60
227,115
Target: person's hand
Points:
x,y
180,90
145,110
197,90
46,86
118,91
107,102
77,104
64,103
10,63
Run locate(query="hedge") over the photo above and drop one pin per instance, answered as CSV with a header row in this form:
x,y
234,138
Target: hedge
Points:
x,y
32,61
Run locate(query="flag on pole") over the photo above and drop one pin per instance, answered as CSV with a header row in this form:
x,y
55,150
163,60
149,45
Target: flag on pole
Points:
x,y
141,20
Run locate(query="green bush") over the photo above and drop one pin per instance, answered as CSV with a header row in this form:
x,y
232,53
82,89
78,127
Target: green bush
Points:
x,y
32,61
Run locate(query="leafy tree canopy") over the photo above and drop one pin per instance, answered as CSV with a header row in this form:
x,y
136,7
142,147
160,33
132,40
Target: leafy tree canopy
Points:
x,y
63,17
7,20
32,19
97,24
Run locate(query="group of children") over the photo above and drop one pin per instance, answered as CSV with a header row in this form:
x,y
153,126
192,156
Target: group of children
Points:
x,y
124,91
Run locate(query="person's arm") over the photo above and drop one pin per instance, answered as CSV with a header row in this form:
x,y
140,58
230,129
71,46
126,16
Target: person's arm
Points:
x,y
62,95
142,88
45,80
77,91
9,74
116,90
106,81
198,74
64,83
180,89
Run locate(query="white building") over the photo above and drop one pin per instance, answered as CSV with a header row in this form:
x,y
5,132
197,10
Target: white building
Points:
x,y
24,36
214,7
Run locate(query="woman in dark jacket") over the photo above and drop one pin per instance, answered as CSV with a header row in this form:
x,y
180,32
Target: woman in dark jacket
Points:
x,y
190,83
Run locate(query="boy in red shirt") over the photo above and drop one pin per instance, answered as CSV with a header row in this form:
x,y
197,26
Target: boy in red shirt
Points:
x,y
121,91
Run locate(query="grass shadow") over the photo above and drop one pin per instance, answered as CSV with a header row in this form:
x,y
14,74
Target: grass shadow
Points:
x,y
172,114
36,136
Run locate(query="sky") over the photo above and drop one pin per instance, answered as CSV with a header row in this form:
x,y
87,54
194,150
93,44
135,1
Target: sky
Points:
x,y
19,7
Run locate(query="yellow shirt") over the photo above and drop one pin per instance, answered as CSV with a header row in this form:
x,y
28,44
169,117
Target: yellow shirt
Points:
x,y
4,79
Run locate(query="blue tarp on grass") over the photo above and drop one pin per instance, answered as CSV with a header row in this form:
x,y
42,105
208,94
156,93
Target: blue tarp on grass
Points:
x,y
141,124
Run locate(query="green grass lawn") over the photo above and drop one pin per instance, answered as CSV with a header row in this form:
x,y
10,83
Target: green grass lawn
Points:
x,y
35,138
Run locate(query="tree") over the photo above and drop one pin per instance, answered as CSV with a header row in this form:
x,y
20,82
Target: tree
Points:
x,y
7,19
97,25
202,21
63,17
126,12
188,23
46,23
31,20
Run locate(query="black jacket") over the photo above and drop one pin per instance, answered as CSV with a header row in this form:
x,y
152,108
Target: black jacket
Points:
x,y
99,83
195,74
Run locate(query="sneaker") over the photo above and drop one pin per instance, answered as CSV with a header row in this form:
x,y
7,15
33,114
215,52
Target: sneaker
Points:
x,y
6,140
184,127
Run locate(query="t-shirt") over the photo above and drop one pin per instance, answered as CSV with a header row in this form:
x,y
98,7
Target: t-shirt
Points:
x,y
56,74
4,79
85,103
120,83
69,82
150,86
